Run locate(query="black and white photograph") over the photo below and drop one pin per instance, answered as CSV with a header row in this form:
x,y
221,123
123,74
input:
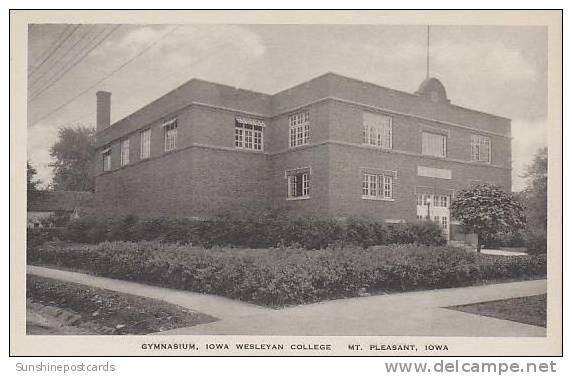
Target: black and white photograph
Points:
x,y
286,186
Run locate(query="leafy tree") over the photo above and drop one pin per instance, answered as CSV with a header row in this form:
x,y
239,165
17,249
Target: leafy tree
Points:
x,y
536,190
32,182
487,210
73,153
535,198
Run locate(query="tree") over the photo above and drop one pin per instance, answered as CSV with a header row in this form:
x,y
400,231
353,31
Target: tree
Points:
x,y
487,210
32,182
74,153
536,189
535,198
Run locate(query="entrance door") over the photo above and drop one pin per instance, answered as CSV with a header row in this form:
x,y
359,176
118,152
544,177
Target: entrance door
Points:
x,y
435,208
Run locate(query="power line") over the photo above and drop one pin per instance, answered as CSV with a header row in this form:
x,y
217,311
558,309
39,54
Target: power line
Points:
x,y
215,51
75,27
52,45
82,56
106,77
61,58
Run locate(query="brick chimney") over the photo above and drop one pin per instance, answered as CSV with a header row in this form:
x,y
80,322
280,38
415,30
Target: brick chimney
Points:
x,y
103,116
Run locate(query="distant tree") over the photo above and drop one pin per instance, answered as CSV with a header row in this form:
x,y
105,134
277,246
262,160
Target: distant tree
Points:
x,y
31,174
73,152
487,210
534,197
537,187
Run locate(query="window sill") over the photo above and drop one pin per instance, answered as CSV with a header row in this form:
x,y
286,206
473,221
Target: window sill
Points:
x,y
375,147
434,156
297,198
299,146
376,198
480,162
248,150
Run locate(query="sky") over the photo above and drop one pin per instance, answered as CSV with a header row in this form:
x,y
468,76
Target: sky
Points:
x,y
494,69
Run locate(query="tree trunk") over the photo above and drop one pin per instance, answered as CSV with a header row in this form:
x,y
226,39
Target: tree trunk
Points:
x,y
479,245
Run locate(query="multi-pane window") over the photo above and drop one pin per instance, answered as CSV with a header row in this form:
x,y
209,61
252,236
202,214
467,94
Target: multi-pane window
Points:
x,y
441,201
299,185
249,134
106,155
377,130
434,144
170,135
145,149
480,148
299,128
377,186
125,152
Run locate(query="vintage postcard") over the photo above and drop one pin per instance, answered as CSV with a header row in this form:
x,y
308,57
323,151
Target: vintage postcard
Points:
x,y
367,183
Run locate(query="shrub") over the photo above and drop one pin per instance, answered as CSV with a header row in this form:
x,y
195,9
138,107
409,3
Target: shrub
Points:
x,y
267,229
283,276
536,242
38,236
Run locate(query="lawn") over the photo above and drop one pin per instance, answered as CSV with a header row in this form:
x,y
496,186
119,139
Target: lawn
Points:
x,y
528,310
285,276
106,312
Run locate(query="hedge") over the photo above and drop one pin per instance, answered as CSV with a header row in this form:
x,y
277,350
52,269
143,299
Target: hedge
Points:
x,y
278,277
266,230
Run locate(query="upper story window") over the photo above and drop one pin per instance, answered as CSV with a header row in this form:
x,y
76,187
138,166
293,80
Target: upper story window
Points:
x,y
377,186
170,135
377,130
298,183
145,150
249,134
434,144
106,157
480,148
125,152
299,128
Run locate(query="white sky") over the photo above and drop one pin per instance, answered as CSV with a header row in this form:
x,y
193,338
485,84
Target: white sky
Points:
x,y
499,70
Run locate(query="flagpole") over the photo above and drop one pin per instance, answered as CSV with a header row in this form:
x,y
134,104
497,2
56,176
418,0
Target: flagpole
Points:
x,y
428,33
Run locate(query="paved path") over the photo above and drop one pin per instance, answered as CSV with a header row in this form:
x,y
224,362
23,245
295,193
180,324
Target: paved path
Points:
x,y
212,305
418,313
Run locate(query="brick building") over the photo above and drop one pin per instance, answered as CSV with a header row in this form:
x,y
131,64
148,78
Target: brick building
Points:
x,y
332,146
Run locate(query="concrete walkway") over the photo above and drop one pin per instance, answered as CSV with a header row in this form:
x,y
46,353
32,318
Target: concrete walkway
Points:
x,y
420,313
500,252
212,305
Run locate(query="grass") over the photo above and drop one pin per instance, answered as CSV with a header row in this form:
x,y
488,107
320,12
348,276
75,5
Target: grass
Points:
x,y
529,310
122,313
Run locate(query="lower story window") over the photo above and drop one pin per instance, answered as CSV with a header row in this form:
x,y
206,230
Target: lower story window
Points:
x,y
106,160
299,185
378,186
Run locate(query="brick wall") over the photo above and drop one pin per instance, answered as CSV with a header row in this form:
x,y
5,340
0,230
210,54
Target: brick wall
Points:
x,y
193,182
206,176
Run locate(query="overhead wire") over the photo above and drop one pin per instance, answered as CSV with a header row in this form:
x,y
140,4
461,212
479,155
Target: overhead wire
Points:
x,y
72,99
78,59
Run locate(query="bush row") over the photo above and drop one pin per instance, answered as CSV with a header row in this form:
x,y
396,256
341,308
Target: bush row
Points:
x,y
266,230
278,277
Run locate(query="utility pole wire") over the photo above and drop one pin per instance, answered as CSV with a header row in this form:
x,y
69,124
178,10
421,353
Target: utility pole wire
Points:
x,y
200,59
106,77
75,27
52,45
61,58
82,57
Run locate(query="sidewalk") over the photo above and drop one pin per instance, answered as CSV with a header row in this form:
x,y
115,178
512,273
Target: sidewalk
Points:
x,y
212,305
419,313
